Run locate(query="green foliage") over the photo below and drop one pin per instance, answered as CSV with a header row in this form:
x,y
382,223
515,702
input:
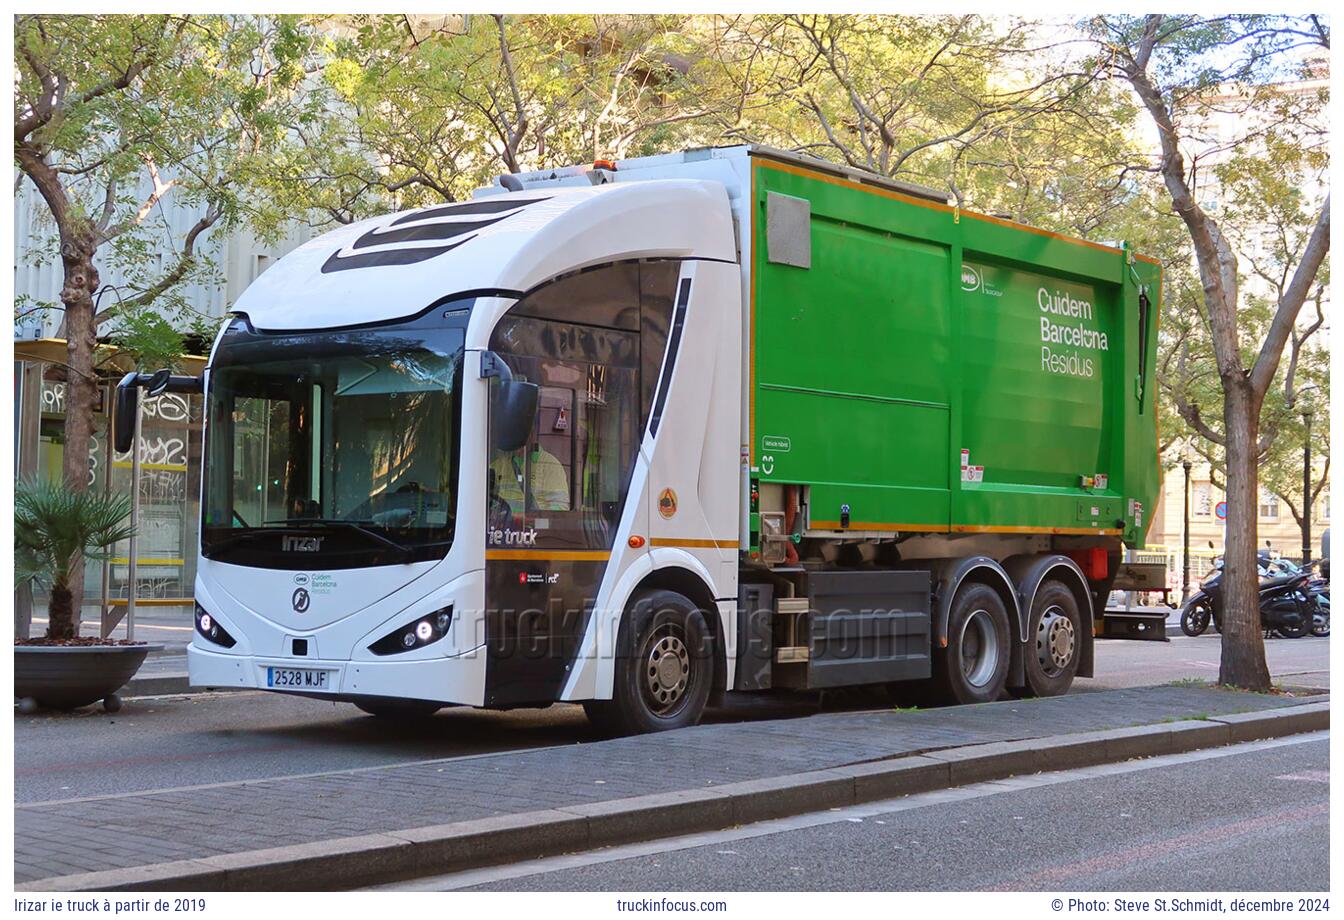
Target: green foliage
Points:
x,y
150,339
55,528
408,113
134,112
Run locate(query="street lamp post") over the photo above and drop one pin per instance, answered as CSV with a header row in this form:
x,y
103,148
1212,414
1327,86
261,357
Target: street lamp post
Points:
x,y
1306,488
1185,538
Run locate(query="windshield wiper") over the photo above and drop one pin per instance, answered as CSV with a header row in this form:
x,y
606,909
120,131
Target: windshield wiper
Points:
x,y
349,525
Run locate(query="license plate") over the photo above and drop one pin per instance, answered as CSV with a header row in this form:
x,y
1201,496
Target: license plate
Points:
x,y
298,678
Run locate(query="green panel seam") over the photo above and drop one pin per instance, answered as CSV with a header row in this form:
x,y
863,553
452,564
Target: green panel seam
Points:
x,y
868,396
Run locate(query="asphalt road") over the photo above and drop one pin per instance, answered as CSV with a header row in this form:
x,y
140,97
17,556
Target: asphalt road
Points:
x,y
1251,818
167,742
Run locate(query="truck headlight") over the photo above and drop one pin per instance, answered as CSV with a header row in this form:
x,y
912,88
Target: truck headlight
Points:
x,y
416,634
210,630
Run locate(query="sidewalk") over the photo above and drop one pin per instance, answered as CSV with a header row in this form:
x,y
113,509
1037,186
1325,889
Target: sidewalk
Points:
x,y
92,835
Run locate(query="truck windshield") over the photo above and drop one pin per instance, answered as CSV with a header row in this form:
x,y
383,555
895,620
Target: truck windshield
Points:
x,y
333,449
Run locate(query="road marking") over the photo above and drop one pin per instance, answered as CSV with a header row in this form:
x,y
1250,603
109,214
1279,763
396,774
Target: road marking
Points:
x,y
1307,776
466,879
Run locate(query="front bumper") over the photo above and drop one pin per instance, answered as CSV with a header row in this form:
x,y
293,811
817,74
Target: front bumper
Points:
x,y
460,679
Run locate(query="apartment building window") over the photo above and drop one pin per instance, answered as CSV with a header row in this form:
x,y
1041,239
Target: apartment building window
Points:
x,y
1269,506
1323,505
1203,499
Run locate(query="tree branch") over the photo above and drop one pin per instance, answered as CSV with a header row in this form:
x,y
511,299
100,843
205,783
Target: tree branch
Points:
x,y
1290,304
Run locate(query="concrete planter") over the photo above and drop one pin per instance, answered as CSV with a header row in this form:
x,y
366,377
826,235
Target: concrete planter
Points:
x,y
66,677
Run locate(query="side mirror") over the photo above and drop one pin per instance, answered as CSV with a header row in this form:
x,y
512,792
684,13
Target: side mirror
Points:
x,y
513,411
158,382
128,404
128,400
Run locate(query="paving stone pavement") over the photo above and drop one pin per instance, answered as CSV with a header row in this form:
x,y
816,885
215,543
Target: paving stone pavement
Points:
x,y
62,838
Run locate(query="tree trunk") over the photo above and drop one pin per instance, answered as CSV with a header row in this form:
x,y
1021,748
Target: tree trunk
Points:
x,y
81,387
61,623
1243,653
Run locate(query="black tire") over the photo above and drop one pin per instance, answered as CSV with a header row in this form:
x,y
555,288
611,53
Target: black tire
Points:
x,y
1054,641
664,667
1195,619
1320,624
973,666
400,710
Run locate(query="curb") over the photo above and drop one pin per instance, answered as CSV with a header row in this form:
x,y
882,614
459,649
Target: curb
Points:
x,y
168,685
402,854
157,686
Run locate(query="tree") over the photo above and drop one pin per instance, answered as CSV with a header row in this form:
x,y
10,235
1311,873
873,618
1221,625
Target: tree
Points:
x,y
55,529
115,113
1194,77
415,111
977,105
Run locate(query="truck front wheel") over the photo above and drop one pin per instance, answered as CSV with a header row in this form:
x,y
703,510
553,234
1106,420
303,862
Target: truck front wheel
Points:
x,y
1054,640
664,667
973,666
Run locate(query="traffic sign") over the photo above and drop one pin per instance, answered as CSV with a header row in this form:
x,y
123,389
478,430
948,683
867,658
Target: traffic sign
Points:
x,y
1220,509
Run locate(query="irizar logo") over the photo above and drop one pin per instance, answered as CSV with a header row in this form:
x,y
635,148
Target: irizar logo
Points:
x,y
301,544
970,278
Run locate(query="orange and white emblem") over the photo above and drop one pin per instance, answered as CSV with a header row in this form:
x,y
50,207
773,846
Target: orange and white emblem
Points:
x,y
667,503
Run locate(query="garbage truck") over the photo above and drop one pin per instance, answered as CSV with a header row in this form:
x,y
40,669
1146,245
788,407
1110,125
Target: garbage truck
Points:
x,y
646,432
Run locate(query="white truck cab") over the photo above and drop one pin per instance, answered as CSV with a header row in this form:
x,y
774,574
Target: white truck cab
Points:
x,y
372,533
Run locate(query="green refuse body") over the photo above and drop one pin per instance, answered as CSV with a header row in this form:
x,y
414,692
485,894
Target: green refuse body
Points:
x,y
934,370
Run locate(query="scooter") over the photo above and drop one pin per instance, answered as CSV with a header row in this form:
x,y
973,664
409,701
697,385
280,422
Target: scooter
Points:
x,y
1286,607
1317,588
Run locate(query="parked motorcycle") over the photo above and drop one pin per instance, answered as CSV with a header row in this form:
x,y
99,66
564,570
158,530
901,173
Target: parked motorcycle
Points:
x,y
1286,605
1317,588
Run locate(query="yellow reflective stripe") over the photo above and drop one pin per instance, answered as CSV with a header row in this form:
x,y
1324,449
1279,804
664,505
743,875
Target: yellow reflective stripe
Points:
x,y
693,544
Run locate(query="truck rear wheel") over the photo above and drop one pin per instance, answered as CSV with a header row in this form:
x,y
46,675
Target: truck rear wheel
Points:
x,y
664,667
973,666
1054,641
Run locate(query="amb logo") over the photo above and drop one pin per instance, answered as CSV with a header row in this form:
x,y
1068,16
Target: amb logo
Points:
x,y
667,503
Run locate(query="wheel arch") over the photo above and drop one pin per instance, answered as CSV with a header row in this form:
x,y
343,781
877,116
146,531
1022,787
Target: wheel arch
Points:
x,y
693,585
951,574
1029,572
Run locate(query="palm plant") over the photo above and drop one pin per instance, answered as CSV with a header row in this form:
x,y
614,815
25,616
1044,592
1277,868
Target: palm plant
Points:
x,y
56,528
